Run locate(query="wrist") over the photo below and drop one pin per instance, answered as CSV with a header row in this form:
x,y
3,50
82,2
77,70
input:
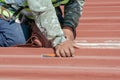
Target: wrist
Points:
x,y
58,40
68,32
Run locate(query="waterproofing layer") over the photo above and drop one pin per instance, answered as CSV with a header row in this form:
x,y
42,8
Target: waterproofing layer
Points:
x,y
98,36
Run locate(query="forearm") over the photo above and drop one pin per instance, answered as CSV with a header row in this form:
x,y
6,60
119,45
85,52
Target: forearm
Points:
x,y
45,16
73,11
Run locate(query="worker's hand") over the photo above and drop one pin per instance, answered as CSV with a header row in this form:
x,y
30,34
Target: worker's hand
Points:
x,y
68,32
37,42
65,49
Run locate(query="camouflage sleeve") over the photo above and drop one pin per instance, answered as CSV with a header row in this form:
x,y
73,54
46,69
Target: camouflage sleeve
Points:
x,y
47,21
73,11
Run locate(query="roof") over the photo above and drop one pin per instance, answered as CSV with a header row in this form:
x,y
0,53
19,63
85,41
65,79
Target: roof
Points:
x,y
98,36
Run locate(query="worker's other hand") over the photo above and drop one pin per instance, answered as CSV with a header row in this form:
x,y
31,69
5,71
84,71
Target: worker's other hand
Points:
x,y
65,49
37,42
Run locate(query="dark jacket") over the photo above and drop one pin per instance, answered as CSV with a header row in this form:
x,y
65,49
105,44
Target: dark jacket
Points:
x,y
72,13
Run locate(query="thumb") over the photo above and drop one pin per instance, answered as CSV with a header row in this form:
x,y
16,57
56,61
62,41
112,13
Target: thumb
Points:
x,y
76,46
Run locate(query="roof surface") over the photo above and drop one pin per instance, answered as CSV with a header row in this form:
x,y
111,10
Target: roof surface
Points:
x,y
98,35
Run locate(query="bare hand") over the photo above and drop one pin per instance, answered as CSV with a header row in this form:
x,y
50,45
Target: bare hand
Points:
x,y
65,49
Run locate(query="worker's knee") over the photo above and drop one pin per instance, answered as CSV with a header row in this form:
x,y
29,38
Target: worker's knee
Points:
x,y
11,34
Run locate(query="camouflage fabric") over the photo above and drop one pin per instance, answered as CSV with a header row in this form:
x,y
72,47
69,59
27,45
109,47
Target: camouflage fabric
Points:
x,y
47,21
73,11
45,17
18,2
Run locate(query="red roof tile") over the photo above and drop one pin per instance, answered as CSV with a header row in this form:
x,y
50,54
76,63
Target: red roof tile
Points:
x,y
98,58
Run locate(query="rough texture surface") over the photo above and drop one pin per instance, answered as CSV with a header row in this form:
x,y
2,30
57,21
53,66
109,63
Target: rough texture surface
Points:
x,y
98,58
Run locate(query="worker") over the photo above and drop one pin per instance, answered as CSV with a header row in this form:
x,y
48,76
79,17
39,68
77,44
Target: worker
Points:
x,y
60,31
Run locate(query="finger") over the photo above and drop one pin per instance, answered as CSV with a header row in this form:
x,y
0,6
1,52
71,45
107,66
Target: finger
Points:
x,y
76,46
57,53
72,51
67,52
62,53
